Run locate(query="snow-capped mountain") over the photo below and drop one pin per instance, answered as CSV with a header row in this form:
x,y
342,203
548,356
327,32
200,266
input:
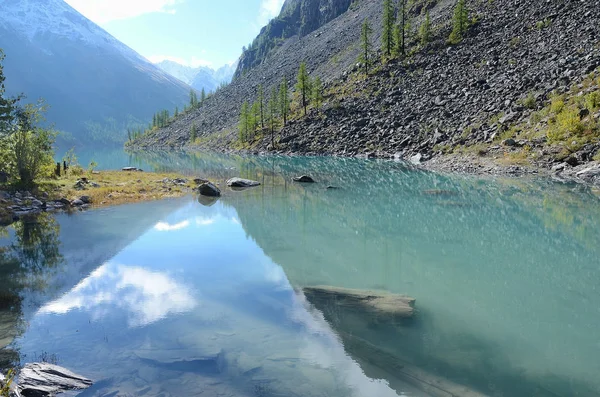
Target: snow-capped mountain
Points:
x,y
95,85
201,77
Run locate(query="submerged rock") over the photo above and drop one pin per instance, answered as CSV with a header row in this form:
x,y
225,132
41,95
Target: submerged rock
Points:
x,y
304,179
379,304
47,380
132,169
240,182
210,190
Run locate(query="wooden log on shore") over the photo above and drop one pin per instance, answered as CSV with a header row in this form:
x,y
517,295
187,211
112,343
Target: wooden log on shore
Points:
x,y
379,304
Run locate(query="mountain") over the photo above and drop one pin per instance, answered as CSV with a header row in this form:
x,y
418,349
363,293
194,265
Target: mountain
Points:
x,y
201,77
95,86
519,90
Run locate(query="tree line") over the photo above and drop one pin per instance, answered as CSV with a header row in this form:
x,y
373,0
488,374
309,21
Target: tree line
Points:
x,y
397,31
272,112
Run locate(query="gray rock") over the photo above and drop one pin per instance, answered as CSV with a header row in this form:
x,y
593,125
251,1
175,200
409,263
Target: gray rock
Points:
x,y
589,173
47,380
64,202
200,181
304,179
85,199
240,182
416,159
559,167
510,142
77,203
210,190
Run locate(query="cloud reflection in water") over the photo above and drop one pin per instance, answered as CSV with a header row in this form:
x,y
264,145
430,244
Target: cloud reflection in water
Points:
x,y
145,296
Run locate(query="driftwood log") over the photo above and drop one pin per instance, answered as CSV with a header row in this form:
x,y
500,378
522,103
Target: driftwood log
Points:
x,y
379,305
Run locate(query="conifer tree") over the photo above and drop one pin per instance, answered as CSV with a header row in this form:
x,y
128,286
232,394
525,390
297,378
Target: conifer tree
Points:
x,y
460,22
425,30
284,100
6,104
193,133
254,119
244,122
273,109
303,85
176,112
387,35
202,96
317,93
193,99
400,31
366,47
261,102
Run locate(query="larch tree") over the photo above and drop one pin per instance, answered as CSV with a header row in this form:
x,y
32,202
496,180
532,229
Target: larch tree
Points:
x,y
425,30
273,109
261,104
366,54
460,22
303,85
202,96
193,133
284,100
244,123
400,31
387,35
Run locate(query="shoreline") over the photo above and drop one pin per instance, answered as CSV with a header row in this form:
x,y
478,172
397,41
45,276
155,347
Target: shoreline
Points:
x,y
90,190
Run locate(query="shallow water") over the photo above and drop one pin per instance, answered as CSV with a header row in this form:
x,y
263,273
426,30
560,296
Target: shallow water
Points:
x,y
182,298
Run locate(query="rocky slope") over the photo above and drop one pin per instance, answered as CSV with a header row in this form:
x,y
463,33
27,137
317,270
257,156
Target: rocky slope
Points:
x,y
479,95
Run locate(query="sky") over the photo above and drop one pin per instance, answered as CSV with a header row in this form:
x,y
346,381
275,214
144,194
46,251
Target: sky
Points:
x,y
191,32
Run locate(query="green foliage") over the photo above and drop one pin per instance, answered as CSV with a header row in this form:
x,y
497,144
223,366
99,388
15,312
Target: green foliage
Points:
x,y
366,54
202,96
387,35
401,31
5,389
284,100
261,103
193,99
425,30
92,166
244,124
530,102
565,123
592,100
6,104
273,110
460,22
303,86
317,93
193,133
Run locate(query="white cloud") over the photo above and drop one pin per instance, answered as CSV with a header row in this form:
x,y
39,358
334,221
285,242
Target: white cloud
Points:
x,y
192,62
205,221
102,11
166,227
269,9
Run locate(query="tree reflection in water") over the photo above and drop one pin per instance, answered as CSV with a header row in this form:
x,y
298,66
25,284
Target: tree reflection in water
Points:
x,y
30,255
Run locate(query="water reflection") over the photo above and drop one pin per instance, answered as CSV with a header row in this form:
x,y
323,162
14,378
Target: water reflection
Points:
x,y
145,296
505,274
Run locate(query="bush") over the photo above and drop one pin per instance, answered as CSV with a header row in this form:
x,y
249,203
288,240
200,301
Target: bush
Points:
x,y
565,124
529,102
592,101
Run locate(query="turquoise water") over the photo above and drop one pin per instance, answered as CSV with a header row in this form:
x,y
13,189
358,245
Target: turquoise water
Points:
x,y
188,297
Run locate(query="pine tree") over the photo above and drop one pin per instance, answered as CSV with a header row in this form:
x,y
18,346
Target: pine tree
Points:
x,y
284,100
425,30
303,85
366,47
400,31
317,93
273,109
460,22
261,102
193,133
176,112
6,104
193,99
387,35
202,96
255,119
244,122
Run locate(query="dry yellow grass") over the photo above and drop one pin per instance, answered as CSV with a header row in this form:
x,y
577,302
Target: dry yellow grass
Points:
x,y
118,187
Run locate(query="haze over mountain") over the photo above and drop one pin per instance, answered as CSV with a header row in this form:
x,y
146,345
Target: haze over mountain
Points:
x,y
95,86
201,77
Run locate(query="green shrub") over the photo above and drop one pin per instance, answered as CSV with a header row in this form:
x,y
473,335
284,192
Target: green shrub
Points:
x,y
565,124
592,101
530,102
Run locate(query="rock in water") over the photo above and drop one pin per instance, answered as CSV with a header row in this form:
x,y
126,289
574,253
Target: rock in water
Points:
x,y
304,179
239,182
210,190
47,380
379,304
132,169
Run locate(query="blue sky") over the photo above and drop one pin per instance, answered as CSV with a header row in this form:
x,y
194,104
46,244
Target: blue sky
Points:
x,y
192,32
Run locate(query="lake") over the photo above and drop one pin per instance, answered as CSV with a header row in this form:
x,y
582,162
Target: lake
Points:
x,y
194,297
